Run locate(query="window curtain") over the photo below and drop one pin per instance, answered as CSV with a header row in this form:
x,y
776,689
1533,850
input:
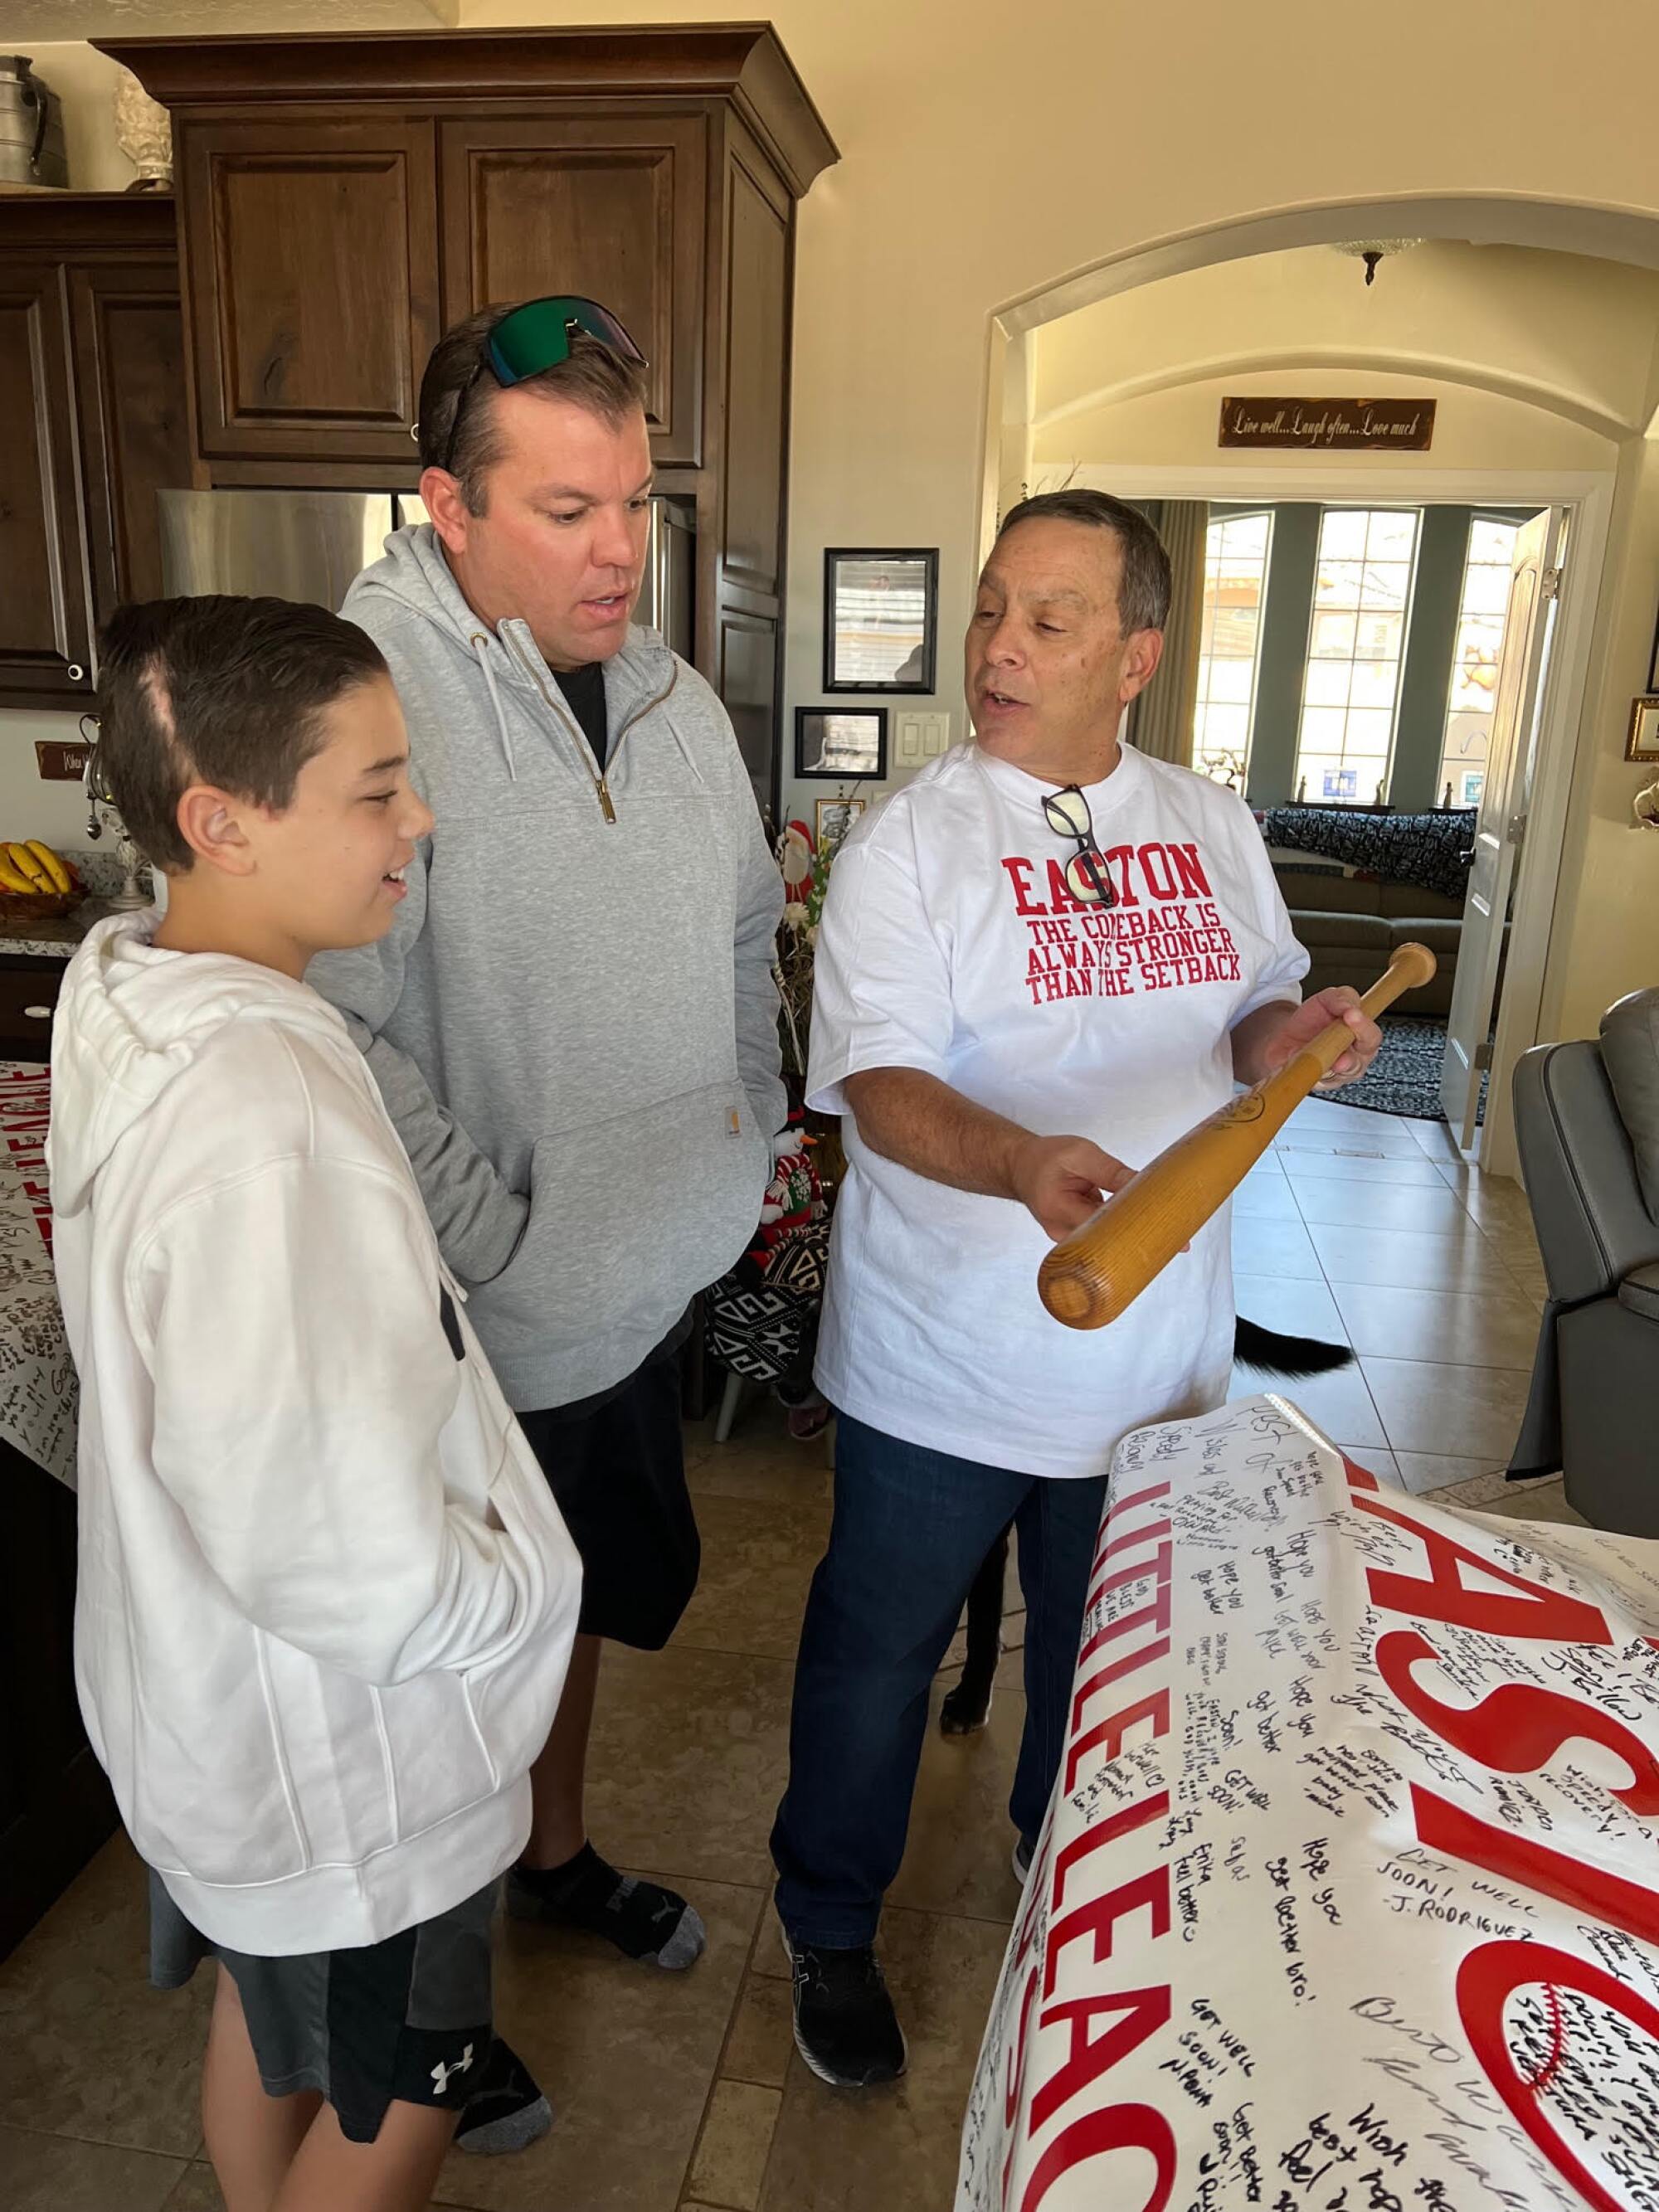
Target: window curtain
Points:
x,y
1163,723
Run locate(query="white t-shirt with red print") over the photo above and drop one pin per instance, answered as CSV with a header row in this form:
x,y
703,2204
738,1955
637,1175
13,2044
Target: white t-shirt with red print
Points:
x,y
950,943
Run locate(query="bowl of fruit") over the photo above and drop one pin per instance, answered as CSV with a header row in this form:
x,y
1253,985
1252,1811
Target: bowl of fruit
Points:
x,y
36,884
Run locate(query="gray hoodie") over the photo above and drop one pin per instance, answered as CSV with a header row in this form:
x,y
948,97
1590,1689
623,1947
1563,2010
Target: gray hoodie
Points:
x,y
573,1022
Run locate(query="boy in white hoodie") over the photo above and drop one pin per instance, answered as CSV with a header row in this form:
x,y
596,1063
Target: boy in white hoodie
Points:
x,y
325,1599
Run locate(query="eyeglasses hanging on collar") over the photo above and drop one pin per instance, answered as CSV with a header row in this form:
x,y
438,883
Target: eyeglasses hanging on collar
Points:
x,y
1066,813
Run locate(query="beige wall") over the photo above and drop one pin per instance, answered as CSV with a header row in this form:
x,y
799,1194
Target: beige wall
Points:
x,y
1559,329
987,157
1176,428
1605,938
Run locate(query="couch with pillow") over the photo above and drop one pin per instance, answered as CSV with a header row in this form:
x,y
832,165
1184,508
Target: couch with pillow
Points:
x,y
1349,926
1358,885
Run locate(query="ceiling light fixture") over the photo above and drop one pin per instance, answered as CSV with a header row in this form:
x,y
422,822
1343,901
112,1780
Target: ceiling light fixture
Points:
x,y
1370,251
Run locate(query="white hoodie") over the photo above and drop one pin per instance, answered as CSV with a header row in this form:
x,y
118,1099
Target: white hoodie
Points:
x,y
325,1600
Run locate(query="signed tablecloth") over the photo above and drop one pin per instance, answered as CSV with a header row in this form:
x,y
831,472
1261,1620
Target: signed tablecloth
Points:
x,y
1348,1898
38,1397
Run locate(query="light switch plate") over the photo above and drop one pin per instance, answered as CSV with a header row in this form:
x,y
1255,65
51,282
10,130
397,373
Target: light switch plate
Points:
x,y
919,738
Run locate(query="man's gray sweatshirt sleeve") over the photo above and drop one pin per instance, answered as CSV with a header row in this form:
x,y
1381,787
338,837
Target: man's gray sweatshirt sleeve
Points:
x,y
760,904
478,1219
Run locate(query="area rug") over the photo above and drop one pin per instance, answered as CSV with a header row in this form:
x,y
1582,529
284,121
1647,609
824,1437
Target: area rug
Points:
x,y
1405,1077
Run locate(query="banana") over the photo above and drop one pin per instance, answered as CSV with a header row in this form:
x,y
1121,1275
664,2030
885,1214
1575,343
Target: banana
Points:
x,y
29,868
50,861
11,879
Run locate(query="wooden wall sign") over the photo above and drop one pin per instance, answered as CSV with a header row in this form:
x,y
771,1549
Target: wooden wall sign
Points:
x,y
1330,426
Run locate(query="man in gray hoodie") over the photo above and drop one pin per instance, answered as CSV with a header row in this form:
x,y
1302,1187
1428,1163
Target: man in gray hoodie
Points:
x,y
573,1021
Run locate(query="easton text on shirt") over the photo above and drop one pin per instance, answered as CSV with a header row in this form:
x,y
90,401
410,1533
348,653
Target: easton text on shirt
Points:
x,y
1079,951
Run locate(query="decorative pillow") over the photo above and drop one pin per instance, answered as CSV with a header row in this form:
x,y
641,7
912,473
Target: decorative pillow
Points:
x,y
1424,849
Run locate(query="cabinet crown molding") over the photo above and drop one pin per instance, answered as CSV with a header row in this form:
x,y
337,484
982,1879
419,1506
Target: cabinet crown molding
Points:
x,y
74,224
745,63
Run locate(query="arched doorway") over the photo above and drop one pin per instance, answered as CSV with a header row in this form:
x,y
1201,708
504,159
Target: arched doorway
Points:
x,y
1578,795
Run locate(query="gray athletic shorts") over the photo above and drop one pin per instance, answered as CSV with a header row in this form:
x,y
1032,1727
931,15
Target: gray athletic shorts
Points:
x,y
409,2018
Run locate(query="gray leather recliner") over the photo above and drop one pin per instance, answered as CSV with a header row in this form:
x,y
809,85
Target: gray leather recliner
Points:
x,y
1587,1123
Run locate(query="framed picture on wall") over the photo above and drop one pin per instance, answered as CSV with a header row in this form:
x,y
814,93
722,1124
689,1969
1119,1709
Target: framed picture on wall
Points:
x,y
1642,743
833,818
880,619
841,741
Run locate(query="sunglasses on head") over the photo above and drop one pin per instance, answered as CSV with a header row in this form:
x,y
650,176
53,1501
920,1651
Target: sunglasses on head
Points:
x,y
1068,815
538,336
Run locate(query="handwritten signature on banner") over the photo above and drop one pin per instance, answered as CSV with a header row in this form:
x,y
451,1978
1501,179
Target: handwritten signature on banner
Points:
x,y
1348,1900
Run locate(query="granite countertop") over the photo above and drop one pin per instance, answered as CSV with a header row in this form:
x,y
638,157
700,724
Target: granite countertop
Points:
x,y
31,938
38,1396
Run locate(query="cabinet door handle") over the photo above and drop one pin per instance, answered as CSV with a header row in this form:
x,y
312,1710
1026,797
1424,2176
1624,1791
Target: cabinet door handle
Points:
x,y
39,1013
76,674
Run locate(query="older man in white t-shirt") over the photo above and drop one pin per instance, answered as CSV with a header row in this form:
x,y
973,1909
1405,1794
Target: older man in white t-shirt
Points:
x,y
1045,957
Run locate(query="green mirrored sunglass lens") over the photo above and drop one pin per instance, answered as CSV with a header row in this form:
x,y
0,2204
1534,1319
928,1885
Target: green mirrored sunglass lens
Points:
x,y
536,336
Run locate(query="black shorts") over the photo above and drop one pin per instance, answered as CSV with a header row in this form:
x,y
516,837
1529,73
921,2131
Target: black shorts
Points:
x,y
617,1469
408,2018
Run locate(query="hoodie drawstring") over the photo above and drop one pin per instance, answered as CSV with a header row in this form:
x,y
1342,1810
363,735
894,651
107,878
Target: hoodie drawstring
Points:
x,y
480,645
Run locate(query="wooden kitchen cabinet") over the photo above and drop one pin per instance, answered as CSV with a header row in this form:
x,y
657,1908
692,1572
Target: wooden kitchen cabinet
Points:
x,y
29,1000
613,208
92,425
46,646
313,275
344,199
55,1803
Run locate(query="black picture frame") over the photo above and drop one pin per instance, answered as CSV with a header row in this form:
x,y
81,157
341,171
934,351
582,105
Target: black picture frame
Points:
x,y
1653,662
838,771
852,659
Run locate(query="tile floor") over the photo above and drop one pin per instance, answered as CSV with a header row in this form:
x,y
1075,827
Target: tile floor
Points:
x,y
683,2093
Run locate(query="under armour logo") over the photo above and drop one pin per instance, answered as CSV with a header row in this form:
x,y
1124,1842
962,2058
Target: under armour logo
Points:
x,y
440,2074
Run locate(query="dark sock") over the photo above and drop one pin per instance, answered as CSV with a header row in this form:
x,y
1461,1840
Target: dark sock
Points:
x,y
507,2109
641,1918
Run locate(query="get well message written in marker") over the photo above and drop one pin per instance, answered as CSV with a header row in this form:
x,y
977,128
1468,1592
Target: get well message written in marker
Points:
x,y
1348,1900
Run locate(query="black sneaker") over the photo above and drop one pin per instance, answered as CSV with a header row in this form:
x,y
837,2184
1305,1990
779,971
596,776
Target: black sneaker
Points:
x,y
846,2028
507,2110
1021,1860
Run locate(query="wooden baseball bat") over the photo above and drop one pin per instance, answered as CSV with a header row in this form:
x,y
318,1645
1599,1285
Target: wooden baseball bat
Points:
x,y
1097,1273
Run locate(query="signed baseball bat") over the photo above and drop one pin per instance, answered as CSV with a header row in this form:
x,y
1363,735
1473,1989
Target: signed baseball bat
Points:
x,y
1097,1273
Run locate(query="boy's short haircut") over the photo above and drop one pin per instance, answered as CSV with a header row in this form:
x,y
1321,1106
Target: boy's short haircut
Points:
x,y
218,691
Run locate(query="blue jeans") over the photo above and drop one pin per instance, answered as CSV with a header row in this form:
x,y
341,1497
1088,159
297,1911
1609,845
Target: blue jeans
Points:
x,y
911,1528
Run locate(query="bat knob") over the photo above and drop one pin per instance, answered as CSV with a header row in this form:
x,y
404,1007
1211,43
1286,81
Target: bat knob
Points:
x,y
1416,964
1072,1291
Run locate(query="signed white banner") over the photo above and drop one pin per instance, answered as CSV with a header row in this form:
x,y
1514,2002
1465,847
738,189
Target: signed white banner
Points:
x,y
38,1396
1348,1898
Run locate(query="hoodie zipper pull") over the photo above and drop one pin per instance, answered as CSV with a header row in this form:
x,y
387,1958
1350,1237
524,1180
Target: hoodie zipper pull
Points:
x,y
606,806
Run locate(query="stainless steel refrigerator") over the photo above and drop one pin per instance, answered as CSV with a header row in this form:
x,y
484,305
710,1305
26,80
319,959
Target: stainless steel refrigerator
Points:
x,y
310,544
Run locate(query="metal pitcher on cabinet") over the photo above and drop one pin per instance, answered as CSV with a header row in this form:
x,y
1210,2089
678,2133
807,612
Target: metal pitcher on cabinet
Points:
x,y
31,128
